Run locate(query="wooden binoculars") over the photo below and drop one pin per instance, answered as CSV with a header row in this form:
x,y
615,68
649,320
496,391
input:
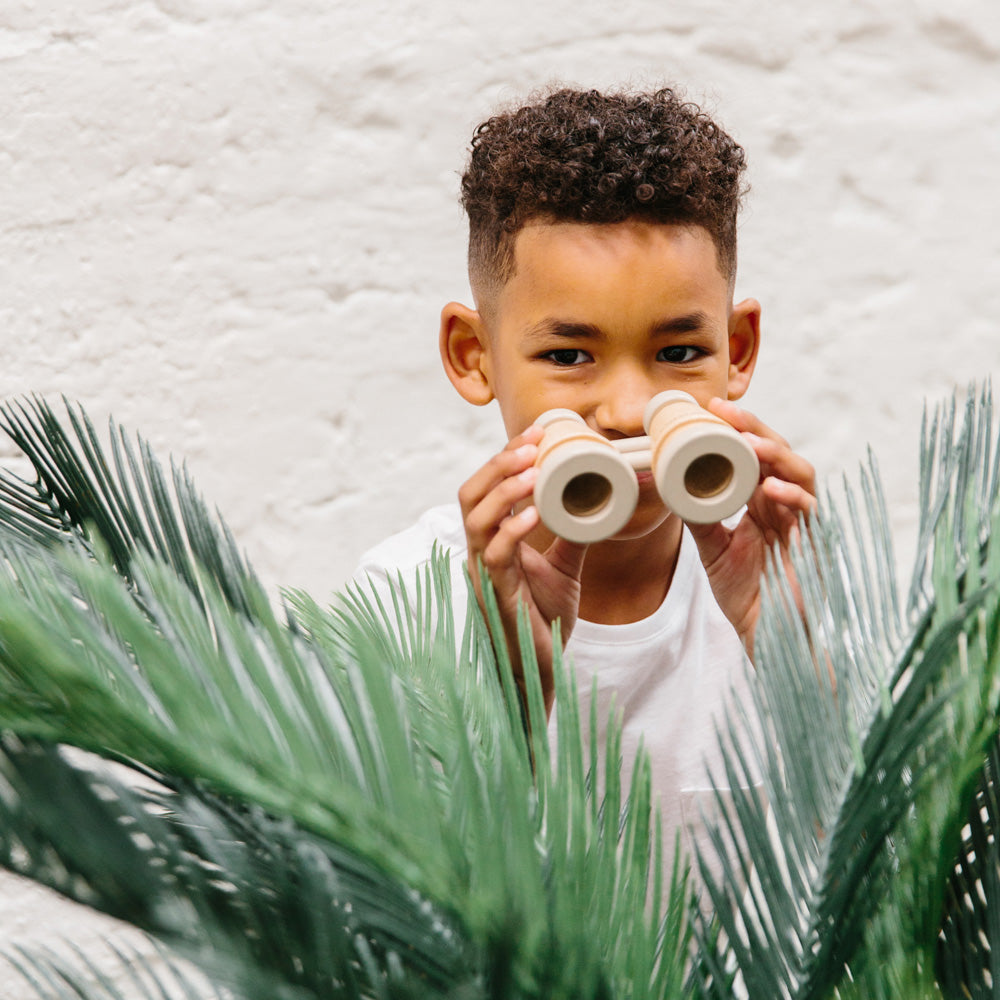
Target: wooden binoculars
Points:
x,y
587,488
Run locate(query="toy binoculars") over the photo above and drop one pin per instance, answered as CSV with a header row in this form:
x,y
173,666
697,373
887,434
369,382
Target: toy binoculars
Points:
x,y
587,488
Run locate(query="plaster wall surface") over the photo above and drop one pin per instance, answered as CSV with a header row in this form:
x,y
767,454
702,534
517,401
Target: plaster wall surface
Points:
x,y
232,224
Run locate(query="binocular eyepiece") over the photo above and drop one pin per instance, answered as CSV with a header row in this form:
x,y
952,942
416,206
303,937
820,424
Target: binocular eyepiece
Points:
x,y
587,488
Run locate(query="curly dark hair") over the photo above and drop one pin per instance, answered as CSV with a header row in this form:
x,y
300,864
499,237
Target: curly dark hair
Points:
x,y
584,156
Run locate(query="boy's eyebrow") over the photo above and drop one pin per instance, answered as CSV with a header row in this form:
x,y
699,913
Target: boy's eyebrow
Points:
x,y
565,328
688,323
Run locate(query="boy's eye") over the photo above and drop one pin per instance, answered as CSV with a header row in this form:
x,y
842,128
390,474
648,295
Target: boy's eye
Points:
x,y
679,354
567,357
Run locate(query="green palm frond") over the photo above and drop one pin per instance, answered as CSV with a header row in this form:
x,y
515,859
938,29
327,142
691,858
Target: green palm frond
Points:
x,y
265,907
449,858
352,801
123,504
878,722
968,958
56,977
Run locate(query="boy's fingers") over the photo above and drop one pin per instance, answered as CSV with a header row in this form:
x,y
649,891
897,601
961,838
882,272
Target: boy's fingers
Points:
x,y
744,420
494,509
777,508
520,454
778,460
789,496
500,555
774,453
499,548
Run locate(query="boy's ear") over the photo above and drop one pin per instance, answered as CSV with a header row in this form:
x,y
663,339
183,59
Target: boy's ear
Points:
x,y
465,353
744,342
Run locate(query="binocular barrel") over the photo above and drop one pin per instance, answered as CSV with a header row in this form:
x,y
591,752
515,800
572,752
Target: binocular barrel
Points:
x,y
587,489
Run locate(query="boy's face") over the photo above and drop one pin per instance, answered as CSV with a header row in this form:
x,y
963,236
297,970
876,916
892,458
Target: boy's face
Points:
x,y
600,318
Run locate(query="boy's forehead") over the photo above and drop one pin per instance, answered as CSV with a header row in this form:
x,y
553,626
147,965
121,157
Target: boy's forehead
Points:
x,y
553,251
543,244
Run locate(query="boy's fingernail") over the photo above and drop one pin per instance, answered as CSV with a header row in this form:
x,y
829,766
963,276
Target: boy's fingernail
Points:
x,y
527,451
529,515
529,475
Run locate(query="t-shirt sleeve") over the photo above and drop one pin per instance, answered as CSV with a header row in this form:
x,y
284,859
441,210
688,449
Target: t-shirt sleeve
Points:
x,y
404,558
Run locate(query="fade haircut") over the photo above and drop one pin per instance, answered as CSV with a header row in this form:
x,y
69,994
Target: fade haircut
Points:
x,y
584,156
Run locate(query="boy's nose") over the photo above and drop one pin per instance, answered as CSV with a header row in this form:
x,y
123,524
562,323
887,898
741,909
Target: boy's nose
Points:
x,y
619,414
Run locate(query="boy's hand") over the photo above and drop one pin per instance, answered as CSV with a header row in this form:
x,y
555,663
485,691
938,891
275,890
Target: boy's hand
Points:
x,y
548,583
735,558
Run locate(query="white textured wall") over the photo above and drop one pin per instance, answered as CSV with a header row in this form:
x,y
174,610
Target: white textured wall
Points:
x,y
232,223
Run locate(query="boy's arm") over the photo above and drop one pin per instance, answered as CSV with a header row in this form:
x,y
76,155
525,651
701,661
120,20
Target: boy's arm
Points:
x,y
547,583
735,558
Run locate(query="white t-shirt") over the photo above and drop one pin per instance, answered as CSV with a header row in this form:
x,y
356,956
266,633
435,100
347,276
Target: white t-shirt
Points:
x,y
670,674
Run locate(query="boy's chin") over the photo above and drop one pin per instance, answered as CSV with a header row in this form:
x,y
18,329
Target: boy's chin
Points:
x,y
645,523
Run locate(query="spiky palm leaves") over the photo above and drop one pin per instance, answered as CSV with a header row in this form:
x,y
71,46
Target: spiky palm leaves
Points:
x,y
328,807
880,717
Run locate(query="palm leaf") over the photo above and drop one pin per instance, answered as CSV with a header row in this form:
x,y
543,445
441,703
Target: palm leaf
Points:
x,y
254,900
469,864
968,958
57,977
878,722
353,801
125,504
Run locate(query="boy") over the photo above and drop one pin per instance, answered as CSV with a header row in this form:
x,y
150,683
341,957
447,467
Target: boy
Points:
x,y
602,260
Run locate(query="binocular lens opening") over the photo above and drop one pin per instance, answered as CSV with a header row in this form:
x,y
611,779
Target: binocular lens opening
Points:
x,y
708,475
585,494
